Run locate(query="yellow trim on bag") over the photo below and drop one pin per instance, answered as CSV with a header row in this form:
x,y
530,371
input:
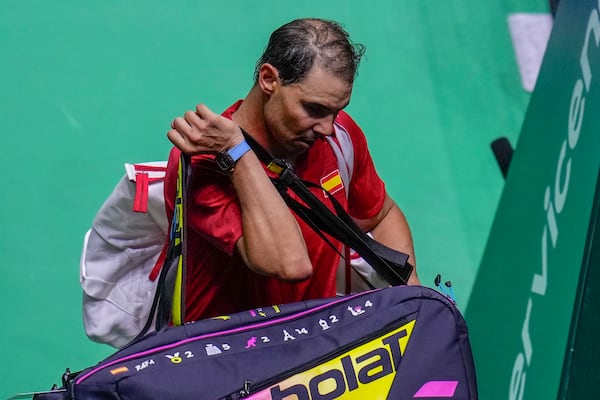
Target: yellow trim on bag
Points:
x,y
177,306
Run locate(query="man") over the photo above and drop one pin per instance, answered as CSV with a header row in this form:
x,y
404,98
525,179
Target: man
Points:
x,y
246,249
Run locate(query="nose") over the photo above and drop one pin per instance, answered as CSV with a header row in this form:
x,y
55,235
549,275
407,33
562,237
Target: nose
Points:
x,y
324,126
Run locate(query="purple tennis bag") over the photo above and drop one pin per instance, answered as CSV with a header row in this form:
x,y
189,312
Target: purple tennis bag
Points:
x,y
406,342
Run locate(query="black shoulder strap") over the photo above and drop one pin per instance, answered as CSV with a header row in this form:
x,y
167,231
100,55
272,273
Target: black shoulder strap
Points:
x,y
391,264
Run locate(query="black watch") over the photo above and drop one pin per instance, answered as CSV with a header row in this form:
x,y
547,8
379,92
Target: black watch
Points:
x,y
226,159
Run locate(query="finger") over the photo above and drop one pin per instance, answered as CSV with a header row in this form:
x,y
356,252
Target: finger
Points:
x,y
192,118
204,112
181,125
177,139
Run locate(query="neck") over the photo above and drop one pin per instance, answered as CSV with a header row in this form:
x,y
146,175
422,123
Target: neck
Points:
x,y
249,116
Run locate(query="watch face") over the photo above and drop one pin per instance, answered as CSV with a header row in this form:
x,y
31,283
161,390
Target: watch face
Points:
x,y
225,162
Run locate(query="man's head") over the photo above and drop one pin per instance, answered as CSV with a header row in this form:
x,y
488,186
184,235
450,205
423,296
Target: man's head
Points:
x,y
297,46
304,78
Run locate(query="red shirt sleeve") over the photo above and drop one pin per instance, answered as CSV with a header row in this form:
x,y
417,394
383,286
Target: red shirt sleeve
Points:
x,y
367,191
213,210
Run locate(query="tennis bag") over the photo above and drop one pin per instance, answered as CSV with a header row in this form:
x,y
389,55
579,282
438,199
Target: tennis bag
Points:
x,y
406,342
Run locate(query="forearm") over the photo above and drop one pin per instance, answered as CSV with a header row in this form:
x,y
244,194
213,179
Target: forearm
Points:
x,y
272,243
393,231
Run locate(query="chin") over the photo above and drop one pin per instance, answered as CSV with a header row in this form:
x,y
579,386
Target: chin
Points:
x,y
301,148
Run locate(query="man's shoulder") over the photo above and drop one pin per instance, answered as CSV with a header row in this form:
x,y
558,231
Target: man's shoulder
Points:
x,y
354,132
347,122
228,113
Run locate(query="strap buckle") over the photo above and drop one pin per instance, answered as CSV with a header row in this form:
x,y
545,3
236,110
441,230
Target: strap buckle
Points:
x,y
283,168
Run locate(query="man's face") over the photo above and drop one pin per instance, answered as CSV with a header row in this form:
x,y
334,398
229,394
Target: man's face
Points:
x,y
299,113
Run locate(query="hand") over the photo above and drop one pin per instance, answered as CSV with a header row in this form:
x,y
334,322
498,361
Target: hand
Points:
x,y
203,131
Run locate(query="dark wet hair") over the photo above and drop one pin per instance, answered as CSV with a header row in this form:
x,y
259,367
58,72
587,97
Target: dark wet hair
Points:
x,y
297,46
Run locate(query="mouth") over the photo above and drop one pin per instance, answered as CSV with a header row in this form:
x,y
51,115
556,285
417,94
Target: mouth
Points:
x,y
307,141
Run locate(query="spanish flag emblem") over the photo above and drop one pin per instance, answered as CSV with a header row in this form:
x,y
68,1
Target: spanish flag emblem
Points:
x,y
332,182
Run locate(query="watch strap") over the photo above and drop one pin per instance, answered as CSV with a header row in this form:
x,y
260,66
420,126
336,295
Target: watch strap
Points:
x,y
237,151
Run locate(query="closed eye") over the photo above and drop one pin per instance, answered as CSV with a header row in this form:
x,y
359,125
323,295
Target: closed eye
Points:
x,y
316,110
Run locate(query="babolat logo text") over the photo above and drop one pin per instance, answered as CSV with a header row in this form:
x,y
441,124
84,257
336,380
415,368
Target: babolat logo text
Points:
x,y
368,368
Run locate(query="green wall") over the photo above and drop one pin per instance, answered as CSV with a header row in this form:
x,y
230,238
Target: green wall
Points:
x,y
522,303
87,86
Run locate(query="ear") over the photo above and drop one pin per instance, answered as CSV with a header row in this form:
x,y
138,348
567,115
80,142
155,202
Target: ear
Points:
x,y
268,78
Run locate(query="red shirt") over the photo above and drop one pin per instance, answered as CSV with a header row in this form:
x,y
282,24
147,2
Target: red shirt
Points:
x,y
218,282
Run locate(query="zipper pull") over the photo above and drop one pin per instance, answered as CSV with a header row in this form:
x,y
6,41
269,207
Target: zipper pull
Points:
x,y
446,290
245,391
67,377
140,202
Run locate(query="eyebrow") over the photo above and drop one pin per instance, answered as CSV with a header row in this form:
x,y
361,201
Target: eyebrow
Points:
x,y
324,107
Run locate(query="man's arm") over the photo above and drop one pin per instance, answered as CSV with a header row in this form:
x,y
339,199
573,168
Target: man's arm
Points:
x,y
390,228
272,243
